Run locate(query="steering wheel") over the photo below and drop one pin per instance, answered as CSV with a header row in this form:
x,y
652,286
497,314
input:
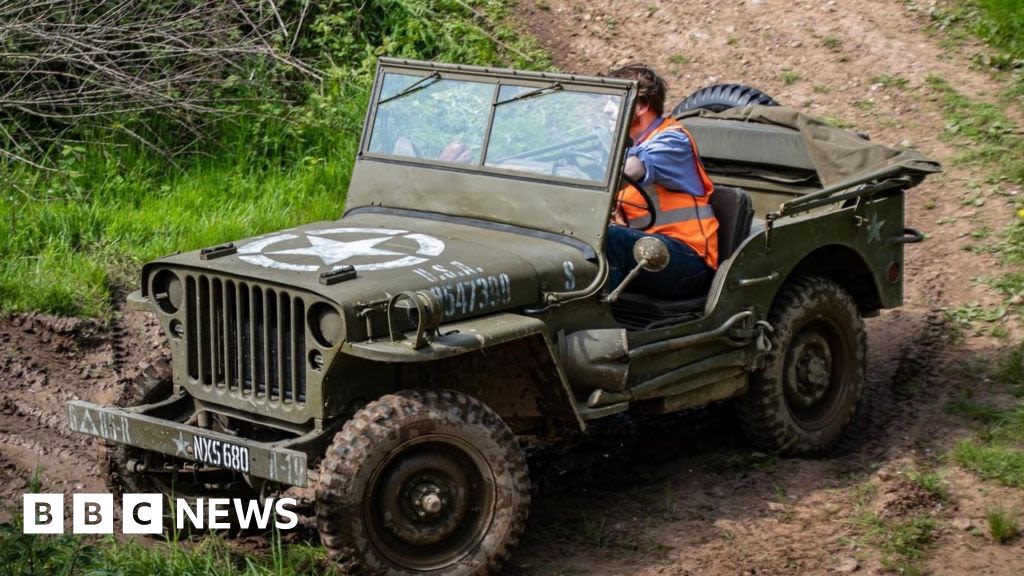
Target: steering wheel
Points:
x,y
648,205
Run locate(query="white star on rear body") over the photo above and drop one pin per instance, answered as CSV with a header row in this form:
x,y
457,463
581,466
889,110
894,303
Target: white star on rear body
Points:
x,y
333,251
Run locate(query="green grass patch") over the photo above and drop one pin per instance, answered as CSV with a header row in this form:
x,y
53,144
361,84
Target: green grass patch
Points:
x,y
1000,23
997,452
991,461
67,555
1002,525
890,81
930,482
996,140
902,543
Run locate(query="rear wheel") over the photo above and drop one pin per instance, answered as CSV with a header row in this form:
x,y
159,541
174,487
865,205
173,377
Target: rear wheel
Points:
x,y
720,97
811,384
423,482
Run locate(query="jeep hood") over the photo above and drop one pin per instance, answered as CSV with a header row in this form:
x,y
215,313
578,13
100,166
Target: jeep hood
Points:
x,y
474,267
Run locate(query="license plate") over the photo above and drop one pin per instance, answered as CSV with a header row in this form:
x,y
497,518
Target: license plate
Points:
x,y
220,453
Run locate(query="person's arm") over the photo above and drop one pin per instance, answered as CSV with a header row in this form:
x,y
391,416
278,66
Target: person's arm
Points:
x,y
668,160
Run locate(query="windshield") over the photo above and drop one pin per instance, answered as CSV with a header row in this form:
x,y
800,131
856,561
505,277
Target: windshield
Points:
x,y
541,129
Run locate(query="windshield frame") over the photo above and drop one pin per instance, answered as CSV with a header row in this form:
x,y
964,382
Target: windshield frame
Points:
x,y
624,89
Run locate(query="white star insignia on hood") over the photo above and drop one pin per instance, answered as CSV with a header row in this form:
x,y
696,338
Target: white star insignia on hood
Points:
x,y
333,251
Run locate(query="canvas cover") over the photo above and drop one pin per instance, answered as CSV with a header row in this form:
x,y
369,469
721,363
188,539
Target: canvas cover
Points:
x,y
838,155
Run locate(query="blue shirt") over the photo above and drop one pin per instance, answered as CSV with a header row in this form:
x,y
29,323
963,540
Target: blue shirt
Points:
x,y
668,160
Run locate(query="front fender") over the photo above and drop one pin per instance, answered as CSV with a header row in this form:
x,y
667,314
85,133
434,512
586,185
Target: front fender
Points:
x,y
508,361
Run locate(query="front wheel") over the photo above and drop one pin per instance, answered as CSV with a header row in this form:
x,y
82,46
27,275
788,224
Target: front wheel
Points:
x,y
423,482
801,401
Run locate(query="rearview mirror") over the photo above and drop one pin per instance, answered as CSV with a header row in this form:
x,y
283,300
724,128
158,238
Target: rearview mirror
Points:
x,y
651,254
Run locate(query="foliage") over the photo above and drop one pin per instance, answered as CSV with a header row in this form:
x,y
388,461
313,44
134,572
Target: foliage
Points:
x,y
280,151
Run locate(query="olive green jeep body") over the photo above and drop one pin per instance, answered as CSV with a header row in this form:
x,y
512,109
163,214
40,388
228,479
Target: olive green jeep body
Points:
x,y
485,278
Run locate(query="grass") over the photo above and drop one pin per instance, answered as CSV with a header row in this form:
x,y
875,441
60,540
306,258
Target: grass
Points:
x,y
67,555
67,253
997,144
1000,23
790,77
1002,525
679,59
890,81
902,543
997,451
930,482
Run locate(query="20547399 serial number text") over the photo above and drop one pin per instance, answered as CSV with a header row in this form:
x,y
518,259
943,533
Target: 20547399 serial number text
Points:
x,y
473,294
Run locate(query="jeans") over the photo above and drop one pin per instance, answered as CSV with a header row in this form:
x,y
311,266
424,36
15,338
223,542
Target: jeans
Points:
x,y
686,276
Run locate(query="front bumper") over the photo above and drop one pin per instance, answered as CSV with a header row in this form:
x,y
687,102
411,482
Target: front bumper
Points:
x,y
124,426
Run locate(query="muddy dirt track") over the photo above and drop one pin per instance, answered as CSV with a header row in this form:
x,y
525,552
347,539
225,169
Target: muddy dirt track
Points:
x,y
686,495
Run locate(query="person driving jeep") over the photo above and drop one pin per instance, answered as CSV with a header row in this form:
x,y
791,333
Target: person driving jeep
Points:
x,y
665,162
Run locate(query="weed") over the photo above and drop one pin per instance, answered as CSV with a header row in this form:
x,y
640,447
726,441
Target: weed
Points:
x,y
930,482
820,89
890,81
790,77
902,544
964,316
732,41
929,204
679,59
864,104
1002,525
832,43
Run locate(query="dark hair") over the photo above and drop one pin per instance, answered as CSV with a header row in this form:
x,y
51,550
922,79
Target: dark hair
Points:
x,y
651,88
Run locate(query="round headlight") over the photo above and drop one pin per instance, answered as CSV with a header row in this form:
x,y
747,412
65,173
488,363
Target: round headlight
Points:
x,y
167,291
326,324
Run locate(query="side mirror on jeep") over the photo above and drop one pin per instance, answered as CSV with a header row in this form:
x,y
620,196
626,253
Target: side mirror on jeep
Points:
x,y
650,255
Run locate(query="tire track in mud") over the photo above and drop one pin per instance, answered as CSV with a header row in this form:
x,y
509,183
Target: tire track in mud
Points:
x,y
44,362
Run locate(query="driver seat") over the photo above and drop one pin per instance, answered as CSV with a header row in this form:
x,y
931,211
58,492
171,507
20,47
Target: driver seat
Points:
x,y
734,212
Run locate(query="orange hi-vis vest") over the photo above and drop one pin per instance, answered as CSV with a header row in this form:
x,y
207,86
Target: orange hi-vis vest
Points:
x,y
678,215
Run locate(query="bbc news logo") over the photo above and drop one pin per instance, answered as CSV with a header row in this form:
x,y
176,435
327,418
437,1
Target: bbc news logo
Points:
x,y
144,513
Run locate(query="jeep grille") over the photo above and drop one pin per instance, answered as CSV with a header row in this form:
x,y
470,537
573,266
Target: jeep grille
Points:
x,y
246,338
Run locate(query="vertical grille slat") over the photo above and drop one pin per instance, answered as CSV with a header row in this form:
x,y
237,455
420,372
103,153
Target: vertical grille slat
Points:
x,y
269,340
298,352
245,338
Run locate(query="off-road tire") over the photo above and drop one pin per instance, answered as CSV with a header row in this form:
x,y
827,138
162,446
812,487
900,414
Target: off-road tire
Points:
x,y
720,97
388,431
814,310
152,383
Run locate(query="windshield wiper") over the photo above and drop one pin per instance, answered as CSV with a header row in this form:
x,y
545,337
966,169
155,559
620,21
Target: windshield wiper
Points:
x,y
557,86
415,86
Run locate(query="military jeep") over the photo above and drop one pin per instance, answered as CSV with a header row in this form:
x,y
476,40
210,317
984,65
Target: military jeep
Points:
x,y
394,359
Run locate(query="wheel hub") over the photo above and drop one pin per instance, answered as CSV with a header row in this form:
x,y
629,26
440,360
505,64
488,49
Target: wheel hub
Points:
x,y
427,500
431,504
809,381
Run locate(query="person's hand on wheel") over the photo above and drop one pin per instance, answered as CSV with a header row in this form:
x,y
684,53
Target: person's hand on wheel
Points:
x,y
456,151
